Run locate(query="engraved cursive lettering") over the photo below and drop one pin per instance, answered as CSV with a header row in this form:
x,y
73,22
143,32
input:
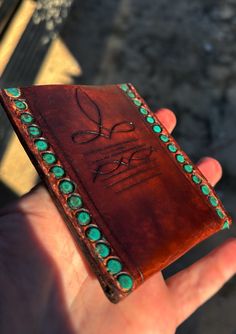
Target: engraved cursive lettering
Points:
x,y
111,166
93,114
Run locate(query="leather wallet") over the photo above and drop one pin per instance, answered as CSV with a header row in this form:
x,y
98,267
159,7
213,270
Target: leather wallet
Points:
x,y
131,197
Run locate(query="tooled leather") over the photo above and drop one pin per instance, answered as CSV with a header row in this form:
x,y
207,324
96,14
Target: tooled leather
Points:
x,y
139,195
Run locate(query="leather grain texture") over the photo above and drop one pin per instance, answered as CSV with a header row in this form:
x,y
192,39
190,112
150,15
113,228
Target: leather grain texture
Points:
x,y
147,207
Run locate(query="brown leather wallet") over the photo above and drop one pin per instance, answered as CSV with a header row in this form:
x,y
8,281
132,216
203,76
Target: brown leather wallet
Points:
x,y
131,197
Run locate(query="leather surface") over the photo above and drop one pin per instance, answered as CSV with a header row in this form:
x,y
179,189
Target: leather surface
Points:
x,y
145,204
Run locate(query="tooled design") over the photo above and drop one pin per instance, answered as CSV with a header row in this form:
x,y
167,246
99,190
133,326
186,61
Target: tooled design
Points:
x,y
77,136
123,161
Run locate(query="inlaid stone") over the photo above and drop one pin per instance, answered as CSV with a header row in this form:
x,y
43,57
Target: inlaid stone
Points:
x,y
164,138
34,131
226,225
49,158
143,110
125,281
213,200
41,144
113,266
74,202
131,94
83,217
124,87
57,171
21,105
93,233
188,168
102,249
205,189
156,128
180,158
14,92
26,118
196,179
172,148
66,186
137,102
150,119
220,213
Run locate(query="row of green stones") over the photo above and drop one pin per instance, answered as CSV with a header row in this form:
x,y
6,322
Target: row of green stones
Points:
x,y
67,187
187,167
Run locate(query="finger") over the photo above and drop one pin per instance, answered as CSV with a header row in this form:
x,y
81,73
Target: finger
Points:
x,y
193,286
167,118
211,169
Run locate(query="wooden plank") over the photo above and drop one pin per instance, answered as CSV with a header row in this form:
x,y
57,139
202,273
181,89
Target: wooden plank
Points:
x,y
7,10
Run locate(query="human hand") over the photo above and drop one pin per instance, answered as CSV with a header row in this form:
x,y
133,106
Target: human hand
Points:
x,y
47,286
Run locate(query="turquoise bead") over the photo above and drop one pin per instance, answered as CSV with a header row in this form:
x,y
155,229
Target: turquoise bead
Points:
x,y
20,105
156,128
49,158
93,233
102,249
125,281
74,202
150,119
34,131
188,168
57,171
113,266
164,138
83,217
66,187
14,92
143,110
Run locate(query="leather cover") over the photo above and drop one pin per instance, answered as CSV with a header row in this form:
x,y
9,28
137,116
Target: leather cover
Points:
x,y
142,206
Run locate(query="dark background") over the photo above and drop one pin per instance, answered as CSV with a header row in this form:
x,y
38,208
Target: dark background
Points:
x,y
178,54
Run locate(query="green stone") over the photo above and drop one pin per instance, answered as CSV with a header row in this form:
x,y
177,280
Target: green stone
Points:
x,y
83,217
137,102
113,266
41,144
125,281
124,87
20,105
15,92
143,110
66,187
26,118
93,233
102,249
150,119
196,179
213,200
74,202
180,158
188,168
205,189
34,131
164,138
156,128
57,171
172,148
49,158
131,94
226,225
220,213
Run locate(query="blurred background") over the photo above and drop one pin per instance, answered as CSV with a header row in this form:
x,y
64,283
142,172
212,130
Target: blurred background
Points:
x,y
178,54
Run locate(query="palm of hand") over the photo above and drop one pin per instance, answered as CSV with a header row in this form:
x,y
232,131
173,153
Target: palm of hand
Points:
x,y
49,288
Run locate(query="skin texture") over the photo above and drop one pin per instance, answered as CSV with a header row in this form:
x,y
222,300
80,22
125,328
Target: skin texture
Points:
x,y
47,286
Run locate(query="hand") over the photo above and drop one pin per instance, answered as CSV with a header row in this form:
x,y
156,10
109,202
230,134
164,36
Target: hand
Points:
x,y
47,286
